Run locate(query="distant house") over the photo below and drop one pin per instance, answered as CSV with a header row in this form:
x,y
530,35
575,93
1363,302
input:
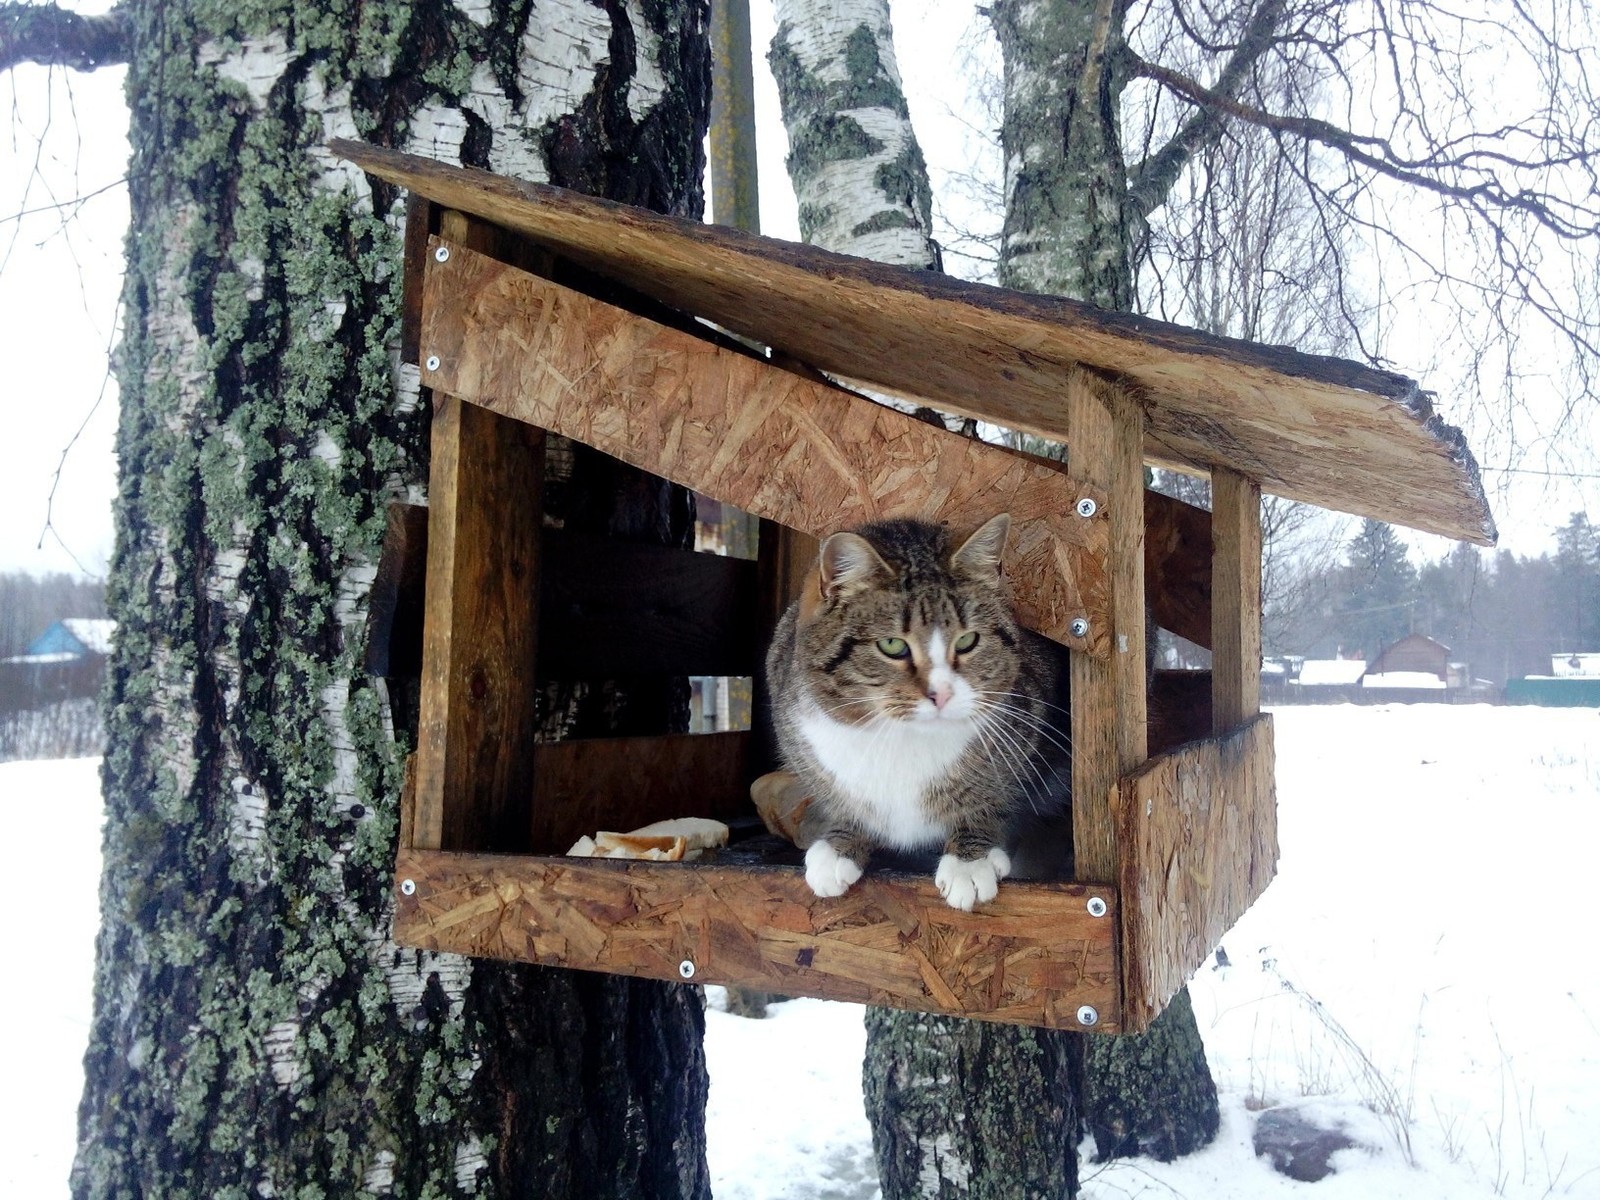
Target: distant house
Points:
x,y
65,662
1415,669
72,638
1326,681
1573,682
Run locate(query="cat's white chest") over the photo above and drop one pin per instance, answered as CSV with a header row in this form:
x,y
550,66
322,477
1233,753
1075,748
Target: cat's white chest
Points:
x,y
884,769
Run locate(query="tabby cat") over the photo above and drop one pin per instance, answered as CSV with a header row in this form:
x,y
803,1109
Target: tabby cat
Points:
x,y
916,709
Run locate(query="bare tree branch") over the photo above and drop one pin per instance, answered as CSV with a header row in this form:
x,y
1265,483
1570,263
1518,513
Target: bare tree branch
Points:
x,y
1479,187
1152,179
55,37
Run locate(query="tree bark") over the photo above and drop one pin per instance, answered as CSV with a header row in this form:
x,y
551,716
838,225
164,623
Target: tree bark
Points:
x,y
857,170
1066,221
1067,227
967,1110
256,1032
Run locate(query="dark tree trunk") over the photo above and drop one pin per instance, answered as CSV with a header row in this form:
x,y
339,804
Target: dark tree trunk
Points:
x,y
256,1033
967,1110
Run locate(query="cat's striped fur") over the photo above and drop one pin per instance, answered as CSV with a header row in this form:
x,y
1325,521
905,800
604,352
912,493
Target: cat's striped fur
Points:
x,y
916,709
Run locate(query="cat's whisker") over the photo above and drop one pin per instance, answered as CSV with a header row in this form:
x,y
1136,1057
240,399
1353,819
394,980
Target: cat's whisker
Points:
x,y
1016,749
1041,727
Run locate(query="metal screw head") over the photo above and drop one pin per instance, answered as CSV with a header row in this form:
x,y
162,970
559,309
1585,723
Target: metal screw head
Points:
x,y
1080,627
686,969
1087,507
408,887
1087,1015
433,362
1097,906
441,254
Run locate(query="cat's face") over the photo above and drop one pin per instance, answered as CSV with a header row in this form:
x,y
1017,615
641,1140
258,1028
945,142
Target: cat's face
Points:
x,y
901,625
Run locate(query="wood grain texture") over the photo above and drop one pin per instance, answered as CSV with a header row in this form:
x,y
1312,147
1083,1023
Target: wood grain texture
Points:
x,y
1323,430
1199,832
1236,601
1032,956
480,629
1108,695
619,784
784,447
1177,566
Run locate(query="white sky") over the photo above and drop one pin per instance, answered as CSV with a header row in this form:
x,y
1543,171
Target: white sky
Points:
x,y
59,280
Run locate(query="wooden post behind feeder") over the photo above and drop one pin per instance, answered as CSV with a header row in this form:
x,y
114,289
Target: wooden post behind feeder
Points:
x,y
531,309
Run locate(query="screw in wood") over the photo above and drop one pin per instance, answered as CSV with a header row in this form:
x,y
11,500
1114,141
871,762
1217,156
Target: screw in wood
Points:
x,y
1097,906
442,254
1080,627
1087,1015
1087,507
686,969
408,887
433,362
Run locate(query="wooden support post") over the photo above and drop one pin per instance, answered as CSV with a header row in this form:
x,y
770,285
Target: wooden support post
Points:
x,y
1235,600
484,528
1105,446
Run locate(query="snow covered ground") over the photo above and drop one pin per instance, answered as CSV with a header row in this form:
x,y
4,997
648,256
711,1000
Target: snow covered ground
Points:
x,y
1424,970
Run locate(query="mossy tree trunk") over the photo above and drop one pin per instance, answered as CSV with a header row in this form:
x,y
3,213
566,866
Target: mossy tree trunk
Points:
x,y
256,1033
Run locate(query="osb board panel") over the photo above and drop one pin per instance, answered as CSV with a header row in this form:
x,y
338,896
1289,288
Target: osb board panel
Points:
x,y
1323,430
1199,833
1033,956
775,443
619,784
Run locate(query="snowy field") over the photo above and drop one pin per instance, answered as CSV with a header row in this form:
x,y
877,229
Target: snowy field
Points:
x,y
1424,971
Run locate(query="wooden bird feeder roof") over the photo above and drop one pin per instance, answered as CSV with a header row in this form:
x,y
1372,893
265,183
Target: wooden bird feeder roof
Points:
x,y
1322,430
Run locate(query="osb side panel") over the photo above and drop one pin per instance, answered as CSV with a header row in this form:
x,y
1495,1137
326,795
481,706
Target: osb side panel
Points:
x,y
787,448
1199,833
1324,430
1033,956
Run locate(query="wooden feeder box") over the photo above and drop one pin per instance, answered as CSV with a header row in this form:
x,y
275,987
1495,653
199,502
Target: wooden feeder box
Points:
x,y
639,364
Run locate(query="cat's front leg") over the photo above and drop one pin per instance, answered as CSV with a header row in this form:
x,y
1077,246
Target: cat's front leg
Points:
x,y
972,867
835,861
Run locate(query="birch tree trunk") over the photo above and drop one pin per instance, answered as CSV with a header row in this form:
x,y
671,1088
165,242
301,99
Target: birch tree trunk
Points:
x,y
256,1033
1067,228
857,170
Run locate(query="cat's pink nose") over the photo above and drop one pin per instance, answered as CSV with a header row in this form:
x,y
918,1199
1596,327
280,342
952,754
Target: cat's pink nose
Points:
x,y
940,694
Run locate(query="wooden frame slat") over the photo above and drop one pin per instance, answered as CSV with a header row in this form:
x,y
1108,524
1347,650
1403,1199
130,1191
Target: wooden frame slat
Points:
x,y
1108,695
784,447
1235,601
1035,955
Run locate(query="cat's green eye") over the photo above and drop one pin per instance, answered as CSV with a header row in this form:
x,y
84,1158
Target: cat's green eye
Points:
x,y
966,642
894,647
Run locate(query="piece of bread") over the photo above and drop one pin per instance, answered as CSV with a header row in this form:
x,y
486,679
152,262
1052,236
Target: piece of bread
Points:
x,y
677,840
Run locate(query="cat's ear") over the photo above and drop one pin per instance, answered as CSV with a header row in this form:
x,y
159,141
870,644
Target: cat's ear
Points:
x,y
848,563
981,554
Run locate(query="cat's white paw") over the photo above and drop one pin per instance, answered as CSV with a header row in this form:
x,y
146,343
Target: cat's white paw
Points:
x,y
965,882
828,872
